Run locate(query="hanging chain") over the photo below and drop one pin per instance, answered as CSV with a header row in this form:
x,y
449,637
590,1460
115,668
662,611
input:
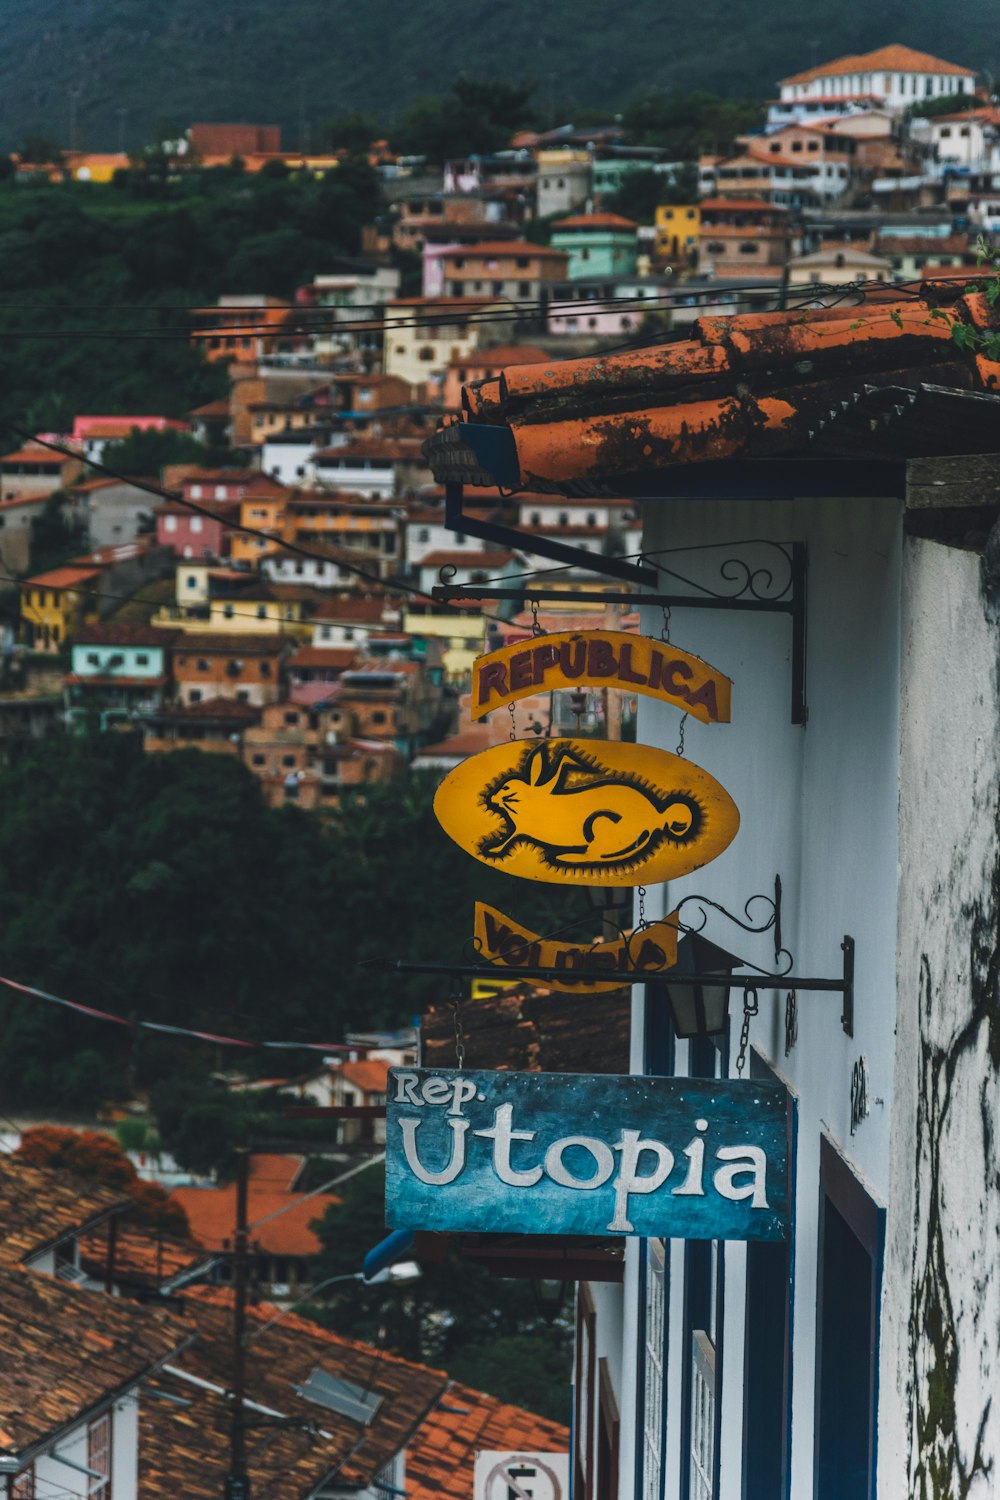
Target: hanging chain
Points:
x,y
641,893
513,727
680,737
751,1005
791,1021
665,627
536,629
459,1030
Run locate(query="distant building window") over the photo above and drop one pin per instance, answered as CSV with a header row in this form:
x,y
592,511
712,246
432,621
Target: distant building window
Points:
x,y
265,669
196,523
194,696
93,660
291,718
22,1486
288,760
524,288
191,581
99,1458
945,131
170,523
227,610
204,666
378,717
242,696
522,262
536,518
259,760
262,611
426,353
142,660
749,247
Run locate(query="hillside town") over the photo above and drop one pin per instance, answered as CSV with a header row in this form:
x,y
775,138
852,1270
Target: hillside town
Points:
x,y
543,399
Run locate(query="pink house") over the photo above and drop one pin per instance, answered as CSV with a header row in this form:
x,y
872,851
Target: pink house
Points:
x,y
192,535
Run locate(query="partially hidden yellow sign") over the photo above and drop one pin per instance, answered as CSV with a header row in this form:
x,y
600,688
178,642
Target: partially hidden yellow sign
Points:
x,y
601,658
504,942
586,812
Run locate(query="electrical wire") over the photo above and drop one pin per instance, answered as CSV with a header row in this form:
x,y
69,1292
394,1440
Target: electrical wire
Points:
x,y
390,584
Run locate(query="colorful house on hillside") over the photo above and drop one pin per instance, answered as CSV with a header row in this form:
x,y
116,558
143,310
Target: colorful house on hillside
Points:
x,y
93,434
118,669
601,244
242,667
54,605
34,470
678,227
484,364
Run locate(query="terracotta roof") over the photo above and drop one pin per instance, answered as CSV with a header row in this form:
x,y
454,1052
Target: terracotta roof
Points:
x,y
892,59
64,1350
595,221
370,1075
749,386
275,1169
449,304
487,560
393,449
529,1029
353,611
111,634
218,408
458,746
209,708
36,456
335,657
62,578
212,1215
502,354
494,248
39,1207
184,1450
441,1458
142,1258
740,205
226,643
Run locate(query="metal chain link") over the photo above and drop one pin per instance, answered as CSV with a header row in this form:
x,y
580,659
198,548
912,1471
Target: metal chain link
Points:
x,y
513,727
459,1030
665,627
791,1021
641,893
536,629
680,738
751,1005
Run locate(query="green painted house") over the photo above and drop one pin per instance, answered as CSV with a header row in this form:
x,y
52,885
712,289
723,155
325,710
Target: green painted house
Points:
x,y
598,244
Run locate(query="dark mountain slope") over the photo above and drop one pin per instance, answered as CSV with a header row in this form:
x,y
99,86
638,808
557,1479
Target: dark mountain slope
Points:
x,y
182,60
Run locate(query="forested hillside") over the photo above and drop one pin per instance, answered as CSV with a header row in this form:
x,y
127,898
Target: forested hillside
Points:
x,y
123,66
161,888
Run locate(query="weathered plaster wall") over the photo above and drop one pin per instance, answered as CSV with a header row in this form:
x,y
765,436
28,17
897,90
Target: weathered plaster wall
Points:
x,y
940,1408
819,806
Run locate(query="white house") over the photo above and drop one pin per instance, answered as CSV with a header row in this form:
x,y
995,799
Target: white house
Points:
x,y
858,1356
896,76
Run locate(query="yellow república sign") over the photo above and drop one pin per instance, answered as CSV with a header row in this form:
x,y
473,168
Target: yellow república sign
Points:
x,y
504,942
601,658
586,812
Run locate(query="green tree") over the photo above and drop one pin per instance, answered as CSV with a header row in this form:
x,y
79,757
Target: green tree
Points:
x,y
478,115
145,453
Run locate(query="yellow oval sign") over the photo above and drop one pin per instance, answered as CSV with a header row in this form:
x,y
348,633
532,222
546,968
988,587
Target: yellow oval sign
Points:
x,y
601,658
586,812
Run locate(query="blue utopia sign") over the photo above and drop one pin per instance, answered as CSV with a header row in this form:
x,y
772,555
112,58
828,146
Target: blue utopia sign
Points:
x,y
564,1153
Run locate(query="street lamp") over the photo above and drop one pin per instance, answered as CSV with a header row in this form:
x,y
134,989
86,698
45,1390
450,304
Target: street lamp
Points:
x,y
699,1006
401,1273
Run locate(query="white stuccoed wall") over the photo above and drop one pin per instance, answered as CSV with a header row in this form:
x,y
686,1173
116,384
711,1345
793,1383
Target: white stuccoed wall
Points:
x,y
940,1376
819,806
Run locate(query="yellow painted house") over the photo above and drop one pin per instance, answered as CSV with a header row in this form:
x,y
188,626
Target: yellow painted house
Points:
x,y
262,513
463,636
54,605
678,231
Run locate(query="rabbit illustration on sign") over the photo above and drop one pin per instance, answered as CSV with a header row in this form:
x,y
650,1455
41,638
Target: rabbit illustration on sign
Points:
x,y
576,813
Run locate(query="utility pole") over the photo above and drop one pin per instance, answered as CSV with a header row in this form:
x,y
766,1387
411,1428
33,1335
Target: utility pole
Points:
x,y
238,1480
